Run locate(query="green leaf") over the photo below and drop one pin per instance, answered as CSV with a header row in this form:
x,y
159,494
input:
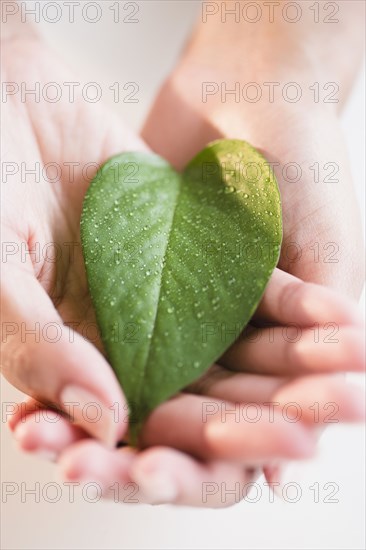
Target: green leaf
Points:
x,y
177,263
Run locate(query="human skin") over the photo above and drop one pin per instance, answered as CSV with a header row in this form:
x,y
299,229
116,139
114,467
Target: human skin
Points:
x,y
304,132
318,217
168,470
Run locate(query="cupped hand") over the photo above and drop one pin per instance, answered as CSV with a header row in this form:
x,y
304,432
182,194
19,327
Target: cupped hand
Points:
x,y
209,95
234,420
47,318
265,83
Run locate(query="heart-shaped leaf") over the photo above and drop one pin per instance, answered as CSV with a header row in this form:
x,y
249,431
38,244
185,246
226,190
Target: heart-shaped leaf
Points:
x,y
177,263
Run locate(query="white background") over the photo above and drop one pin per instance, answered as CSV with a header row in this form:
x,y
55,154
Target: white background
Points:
x,y
144,53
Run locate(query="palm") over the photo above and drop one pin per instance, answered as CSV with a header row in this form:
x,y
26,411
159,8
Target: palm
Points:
x,y
321,234
75,138
313,175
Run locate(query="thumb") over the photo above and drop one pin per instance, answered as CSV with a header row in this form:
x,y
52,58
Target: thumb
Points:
x,y
50,362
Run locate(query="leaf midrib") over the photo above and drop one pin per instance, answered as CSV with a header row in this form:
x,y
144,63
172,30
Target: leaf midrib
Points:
x,y
147,362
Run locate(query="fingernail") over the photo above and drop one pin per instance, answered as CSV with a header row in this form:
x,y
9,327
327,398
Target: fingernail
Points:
x,y
157,486
20,432
217,431
86,410
21,435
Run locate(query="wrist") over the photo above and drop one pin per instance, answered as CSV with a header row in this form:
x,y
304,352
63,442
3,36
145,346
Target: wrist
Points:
x,y
254,92
321,59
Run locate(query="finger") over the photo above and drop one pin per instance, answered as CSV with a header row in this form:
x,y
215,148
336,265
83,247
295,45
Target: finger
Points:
x,y
312,399
322,400
161,474
90,461
156,476
193,483
48,361
287,299
210,428
20,411
221,383
46,433
288,351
